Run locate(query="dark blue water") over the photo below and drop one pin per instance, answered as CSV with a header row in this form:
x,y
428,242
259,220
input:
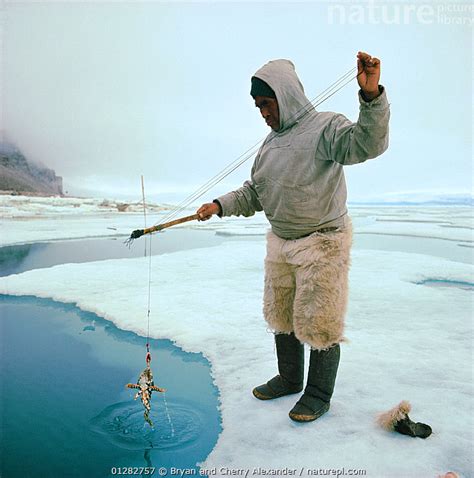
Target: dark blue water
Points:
x,y
66,411
25,257
447,283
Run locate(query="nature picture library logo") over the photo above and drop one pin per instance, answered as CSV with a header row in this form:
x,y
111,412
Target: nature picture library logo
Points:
x,y
373,12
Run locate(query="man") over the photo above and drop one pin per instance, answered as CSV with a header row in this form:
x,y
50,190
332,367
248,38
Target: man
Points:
x,y
298,181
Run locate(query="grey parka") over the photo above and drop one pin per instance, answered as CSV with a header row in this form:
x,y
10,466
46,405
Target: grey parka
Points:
x,y
297,178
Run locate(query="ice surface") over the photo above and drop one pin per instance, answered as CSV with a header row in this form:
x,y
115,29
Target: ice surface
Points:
x,y
25,219
31,219
449,223
27,206
406,341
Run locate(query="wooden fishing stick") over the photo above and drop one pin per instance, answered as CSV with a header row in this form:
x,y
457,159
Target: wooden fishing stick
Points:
x,y
140,232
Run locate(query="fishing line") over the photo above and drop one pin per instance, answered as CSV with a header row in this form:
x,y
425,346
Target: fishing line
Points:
x,y
332,89
170,422
144,210
213,181
149,273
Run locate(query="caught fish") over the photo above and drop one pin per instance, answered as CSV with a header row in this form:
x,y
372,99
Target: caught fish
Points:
x,y
146,386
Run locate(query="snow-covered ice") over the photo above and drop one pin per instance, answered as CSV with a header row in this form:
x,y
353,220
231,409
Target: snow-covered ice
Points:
x,y
406,341
31,206
26,219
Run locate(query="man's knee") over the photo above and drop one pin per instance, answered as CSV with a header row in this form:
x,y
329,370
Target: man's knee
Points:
x,y
319,331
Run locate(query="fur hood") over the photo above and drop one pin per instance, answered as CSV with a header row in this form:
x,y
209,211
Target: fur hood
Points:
x,y
292,102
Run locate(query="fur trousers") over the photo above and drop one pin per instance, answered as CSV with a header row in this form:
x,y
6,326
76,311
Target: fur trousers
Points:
x,y
306,286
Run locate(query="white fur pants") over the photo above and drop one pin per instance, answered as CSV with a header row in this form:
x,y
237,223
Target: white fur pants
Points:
x,y
306,286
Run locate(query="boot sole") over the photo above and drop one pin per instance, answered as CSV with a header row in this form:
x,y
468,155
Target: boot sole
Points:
x,y
298,417
260,396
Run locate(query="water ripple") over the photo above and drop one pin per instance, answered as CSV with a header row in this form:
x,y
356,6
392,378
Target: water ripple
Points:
x,y
123,425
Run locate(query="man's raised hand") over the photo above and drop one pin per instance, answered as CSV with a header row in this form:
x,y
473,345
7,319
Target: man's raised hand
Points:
x,y
368,69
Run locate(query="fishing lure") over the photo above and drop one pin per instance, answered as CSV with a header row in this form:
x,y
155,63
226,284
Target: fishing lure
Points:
x,y
146,386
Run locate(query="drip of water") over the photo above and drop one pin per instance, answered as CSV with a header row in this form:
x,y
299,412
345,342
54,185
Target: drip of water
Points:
x,y
168,415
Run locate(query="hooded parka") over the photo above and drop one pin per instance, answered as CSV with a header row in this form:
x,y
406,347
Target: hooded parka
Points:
x,y
297,178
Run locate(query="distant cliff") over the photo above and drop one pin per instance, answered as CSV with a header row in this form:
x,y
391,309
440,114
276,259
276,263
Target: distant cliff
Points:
x,y
20,176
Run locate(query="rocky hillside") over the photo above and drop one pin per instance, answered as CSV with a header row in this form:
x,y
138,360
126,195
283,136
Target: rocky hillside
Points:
x,y
20,176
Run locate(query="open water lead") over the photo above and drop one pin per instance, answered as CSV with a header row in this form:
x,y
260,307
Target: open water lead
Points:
x,y
146,386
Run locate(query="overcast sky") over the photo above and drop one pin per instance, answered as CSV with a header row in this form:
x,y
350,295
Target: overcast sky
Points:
x,y
104,92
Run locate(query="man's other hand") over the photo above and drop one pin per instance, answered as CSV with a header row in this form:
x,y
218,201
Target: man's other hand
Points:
x,y
206,211
368,69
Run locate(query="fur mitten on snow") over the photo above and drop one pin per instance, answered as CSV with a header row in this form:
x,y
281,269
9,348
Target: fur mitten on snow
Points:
x,y
397,419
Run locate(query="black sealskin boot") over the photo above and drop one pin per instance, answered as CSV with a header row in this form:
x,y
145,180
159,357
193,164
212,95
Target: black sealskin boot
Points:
x,y
290,355
406,426
397,419
322,373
